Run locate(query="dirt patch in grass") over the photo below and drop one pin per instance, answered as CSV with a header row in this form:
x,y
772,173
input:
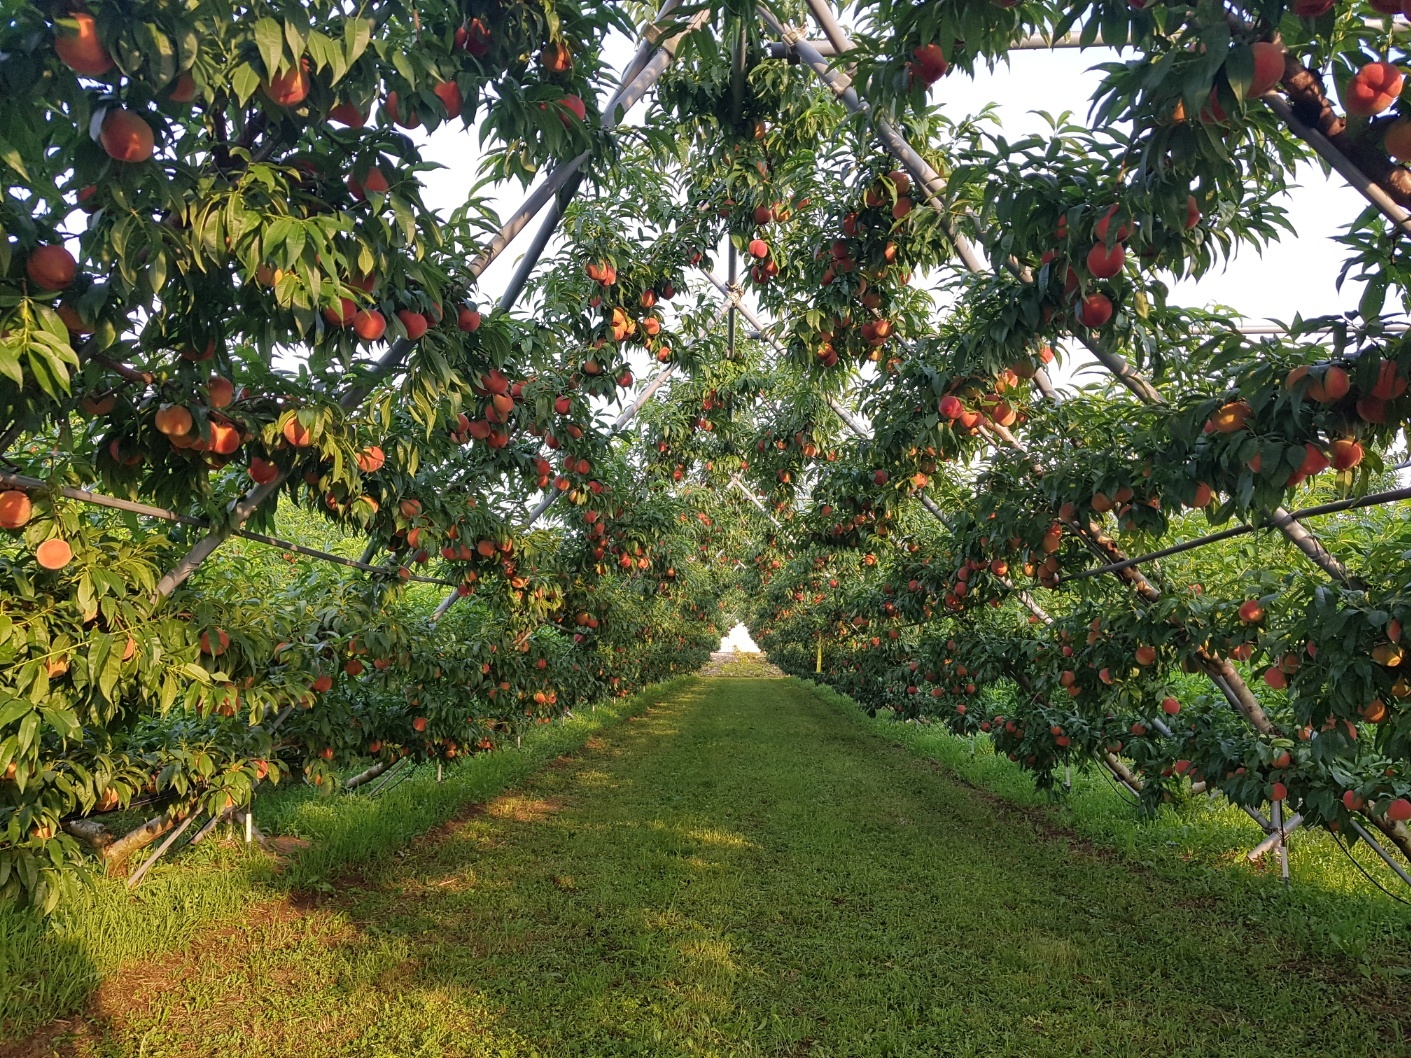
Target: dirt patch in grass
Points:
x,y
523,809
129,993
135,986
740,665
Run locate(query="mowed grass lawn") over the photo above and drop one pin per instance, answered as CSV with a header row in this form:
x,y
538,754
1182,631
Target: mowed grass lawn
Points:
x,y
742,871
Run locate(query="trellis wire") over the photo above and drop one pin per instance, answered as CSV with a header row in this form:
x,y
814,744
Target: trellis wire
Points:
x,y
648,391
98,499
624,97
1370,500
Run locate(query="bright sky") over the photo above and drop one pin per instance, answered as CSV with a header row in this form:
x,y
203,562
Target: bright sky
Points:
x,y
739,639
1254,285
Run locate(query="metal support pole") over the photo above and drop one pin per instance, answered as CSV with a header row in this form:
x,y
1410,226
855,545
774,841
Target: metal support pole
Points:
x,y
734,298
1277,833
737,76
624,98
756,501
1377,848
548,501
1345,167
141,872
536,247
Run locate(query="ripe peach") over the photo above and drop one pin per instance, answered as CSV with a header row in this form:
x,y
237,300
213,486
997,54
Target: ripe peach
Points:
x,y
1397,139
347,114
290,88
1374,88
262,472
390,107
80,49
474,37
928,64
1372,409
371,460
575,106
297,434
225,438
54,553
1268,67
1332,387
1251,612
1347,453
1103,226
1230,417
369,324
15,509
1095,310
215,648
414,322
1104,263
220,392
126,137
173,420
51,268
450,95
375,181
1390,383
556,57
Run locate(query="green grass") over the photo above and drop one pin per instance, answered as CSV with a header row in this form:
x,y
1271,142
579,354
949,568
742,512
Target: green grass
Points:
x,y
49,967
748,870
1328,903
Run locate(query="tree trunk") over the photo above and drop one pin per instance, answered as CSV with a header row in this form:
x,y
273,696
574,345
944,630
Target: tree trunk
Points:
x,y
367,776
92,833
116,854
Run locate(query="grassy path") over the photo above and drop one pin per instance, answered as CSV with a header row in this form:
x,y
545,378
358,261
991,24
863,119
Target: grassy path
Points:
x,y
743,871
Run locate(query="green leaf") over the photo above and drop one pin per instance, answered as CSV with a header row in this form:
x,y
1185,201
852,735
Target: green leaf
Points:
x,y
29,727
12,157
357,34
16,708
62,721
295,39
269,39
10,363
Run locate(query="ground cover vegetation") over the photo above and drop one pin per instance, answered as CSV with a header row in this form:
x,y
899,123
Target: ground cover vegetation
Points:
x,y
746,870
237,350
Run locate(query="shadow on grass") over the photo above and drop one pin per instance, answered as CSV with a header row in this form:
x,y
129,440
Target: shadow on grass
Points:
x,y
1329,904
52,967
744,871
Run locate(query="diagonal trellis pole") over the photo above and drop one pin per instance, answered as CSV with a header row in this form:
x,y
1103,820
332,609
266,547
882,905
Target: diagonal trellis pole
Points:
x,y
661,52
548,501
933,184
1226,679
749,495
